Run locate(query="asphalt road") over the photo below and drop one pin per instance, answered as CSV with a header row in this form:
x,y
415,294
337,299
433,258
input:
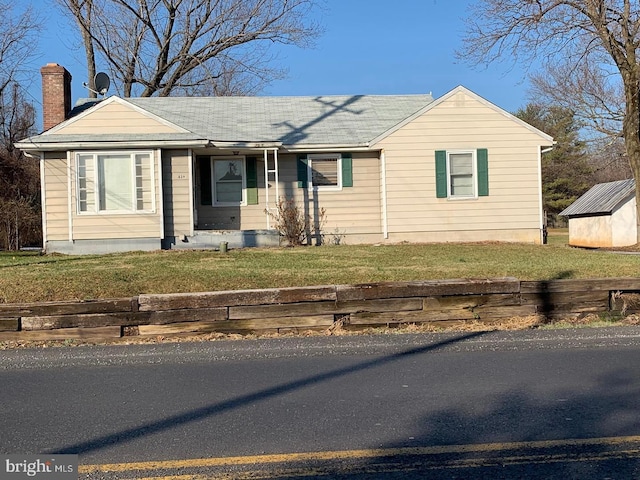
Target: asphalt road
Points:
x,y
554,404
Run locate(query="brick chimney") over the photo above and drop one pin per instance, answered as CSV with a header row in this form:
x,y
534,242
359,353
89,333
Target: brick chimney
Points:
x,y
56,94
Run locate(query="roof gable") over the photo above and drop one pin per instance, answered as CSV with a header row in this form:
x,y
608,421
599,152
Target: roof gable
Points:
x,y
547,139
112,116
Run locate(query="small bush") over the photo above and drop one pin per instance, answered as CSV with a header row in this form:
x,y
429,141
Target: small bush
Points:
x,y
296,227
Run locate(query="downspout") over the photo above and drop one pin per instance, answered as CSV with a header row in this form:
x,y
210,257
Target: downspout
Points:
x,y
383,180
541,206
158,160
192,200
69,196
43,203
276,175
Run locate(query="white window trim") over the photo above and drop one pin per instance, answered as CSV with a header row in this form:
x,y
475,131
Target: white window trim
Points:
x,y
324,156
243,202
96,210
474,172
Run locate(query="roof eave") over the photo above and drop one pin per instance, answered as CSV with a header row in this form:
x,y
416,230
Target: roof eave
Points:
x,y
244,144
327,147
585,214
547,139
35,147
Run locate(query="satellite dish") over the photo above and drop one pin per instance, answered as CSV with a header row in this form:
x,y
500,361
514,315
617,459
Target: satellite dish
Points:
x,y
101,83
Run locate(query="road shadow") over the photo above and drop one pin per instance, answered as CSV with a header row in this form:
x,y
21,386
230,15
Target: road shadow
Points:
x,y
480,433
559,437
195,415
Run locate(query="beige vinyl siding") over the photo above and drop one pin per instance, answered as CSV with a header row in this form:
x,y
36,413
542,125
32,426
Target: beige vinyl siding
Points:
x,y
352,210
87,226
56,199
96,227
463,123
177,194
115,118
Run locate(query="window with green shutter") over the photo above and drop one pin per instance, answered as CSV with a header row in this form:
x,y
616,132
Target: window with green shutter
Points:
x,y
325,171
462,173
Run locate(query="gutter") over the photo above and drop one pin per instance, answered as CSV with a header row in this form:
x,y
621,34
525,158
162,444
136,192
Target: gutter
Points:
x,y
261,145
31,147
359,147
34,147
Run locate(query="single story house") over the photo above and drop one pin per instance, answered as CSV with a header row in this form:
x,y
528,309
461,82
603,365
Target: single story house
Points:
x,y
605,216
147,173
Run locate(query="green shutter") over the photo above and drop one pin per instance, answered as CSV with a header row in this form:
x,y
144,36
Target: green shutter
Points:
x,y
483,172
347,170
252,180
302,171
441,174
204,167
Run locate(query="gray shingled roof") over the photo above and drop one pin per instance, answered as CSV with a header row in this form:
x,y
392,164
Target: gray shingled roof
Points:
x,y
345,120
602,198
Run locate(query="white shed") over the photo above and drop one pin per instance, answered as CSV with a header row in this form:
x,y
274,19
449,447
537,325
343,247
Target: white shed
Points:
x,y
605,216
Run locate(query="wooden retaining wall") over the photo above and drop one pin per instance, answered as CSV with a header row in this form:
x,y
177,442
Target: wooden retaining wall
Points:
x,y
439,302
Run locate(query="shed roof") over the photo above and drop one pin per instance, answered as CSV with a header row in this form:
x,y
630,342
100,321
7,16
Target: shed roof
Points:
x,y
602,198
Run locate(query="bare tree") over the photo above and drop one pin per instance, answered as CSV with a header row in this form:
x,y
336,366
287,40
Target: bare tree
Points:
x,y
608,160
19,29
169,47
81,12
19,175
598,38
588,88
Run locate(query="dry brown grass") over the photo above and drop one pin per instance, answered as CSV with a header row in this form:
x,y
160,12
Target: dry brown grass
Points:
x,y
341,328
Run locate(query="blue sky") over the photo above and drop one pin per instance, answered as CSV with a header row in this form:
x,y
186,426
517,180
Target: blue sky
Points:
x,y
367,48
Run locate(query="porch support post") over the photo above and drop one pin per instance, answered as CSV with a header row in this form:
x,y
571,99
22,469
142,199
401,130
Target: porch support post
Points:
x,y
276,179
193,218
266,187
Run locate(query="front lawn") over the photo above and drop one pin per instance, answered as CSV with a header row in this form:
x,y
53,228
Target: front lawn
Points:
x,y
29,277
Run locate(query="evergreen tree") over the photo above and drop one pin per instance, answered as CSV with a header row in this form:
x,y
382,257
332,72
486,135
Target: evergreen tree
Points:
x,y
566,173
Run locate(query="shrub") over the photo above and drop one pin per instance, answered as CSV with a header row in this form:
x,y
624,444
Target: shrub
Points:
x,y
294,225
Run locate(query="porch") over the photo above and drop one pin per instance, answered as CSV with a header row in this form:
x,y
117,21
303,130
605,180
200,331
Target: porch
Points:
x,y
214,239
